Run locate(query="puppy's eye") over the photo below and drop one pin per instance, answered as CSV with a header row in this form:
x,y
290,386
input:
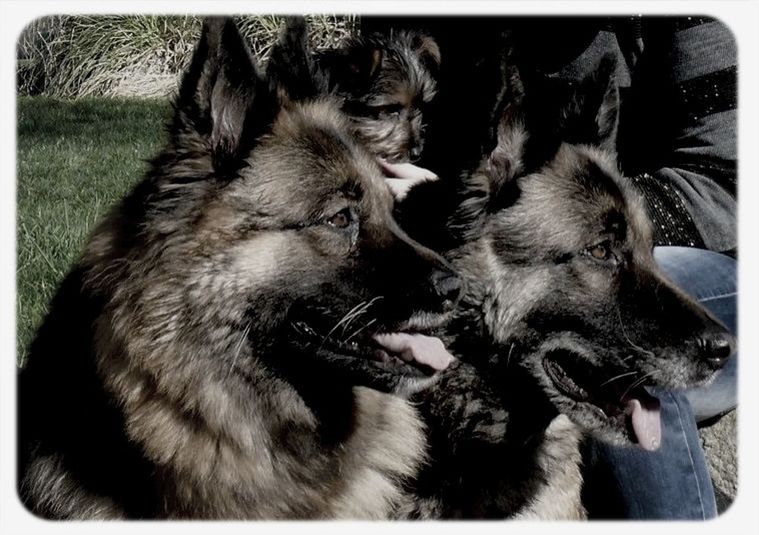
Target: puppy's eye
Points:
x,y
390,110
600,251
341,219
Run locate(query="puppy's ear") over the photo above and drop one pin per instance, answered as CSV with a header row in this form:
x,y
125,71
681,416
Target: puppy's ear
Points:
x,y
352,68
364,62
292,71
428,51
218,94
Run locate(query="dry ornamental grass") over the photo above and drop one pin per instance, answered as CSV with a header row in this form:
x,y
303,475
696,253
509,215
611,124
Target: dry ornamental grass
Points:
x,y
135,55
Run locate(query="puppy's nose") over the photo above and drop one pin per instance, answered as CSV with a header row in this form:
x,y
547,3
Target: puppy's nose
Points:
x,y
716,347
447,286
415,153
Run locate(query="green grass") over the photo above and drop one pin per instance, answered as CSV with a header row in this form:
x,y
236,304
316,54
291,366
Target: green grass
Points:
x,y
75,159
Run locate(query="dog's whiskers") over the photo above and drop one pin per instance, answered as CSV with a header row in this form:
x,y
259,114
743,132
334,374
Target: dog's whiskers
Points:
x,y
360,312
646,352
508,357
620,376
350,316
357,331
238,350
636,384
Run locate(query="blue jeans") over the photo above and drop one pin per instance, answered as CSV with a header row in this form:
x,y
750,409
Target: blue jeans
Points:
x,y
672,482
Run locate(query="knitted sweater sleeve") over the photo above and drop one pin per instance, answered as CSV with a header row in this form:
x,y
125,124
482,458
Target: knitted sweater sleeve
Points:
x,y
688,74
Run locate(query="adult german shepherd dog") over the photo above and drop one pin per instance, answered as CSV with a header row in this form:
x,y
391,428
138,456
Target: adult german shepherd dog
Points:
x,y
566,317
209,354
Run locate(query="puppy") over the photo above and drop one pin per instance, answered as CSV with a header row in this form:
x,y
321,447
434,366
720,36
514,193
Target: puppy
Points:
x,y
384,83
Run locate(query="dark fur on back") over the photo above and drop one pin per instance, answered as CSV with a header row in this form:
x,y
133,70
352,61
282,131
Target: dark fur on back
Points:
x,y
208,355
385,83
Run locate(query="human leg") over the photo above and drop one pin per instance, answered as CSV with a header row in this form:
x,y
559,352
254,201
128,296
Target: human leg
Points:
x,y
671,483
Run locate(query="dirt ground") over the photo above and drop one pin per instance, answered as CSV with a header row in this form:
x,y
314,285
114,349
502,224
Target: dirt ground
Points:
x,y
720,441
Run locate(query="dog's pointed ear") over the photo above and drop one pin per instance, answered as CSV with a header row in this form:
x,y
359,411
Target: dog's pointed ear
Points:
x,y
589,112
292,71
507,159
217,93
607,116
493,185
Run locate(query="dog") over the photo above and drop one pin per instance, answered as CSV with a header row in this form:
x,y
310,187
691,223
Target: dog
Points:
x,y
240,333
385,84
566,317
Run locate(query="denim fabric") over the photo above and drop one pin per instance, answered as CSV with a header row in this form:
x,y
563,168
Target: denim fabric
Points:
x,y
672,482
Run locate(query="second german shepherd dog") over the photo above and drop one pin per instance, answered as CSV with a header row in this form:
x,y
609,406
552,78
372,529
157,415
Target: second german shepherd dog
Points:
x,y
208,356
566,317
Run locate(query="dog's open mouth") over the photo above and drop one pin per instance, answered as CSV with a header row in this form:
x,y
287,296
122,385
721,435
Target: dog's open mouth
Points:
x,y
409,349
619,397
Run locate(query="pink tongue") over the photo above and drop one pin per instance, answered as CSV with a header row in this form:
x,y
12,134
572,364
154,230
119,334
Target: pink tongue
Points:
x,y
426,350
646,421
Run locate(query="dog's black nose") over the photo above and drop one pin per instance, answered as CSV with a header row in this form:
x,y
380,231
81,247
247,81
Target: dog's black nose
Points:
x,y
716,347
415,153
447,286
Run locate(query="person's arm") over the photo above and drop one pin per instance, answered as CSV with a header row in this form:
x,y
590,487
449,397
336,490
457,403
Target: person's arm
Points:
x,y
684,98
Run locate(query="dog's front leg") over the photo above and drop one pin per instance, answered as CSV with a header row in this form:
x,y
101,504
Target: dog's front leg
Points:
x,y
481,464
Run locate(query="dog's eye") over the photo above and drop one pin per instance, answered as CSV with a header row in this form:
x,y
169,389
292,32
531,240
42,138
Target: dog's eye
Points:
x,y
341,219
600,251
